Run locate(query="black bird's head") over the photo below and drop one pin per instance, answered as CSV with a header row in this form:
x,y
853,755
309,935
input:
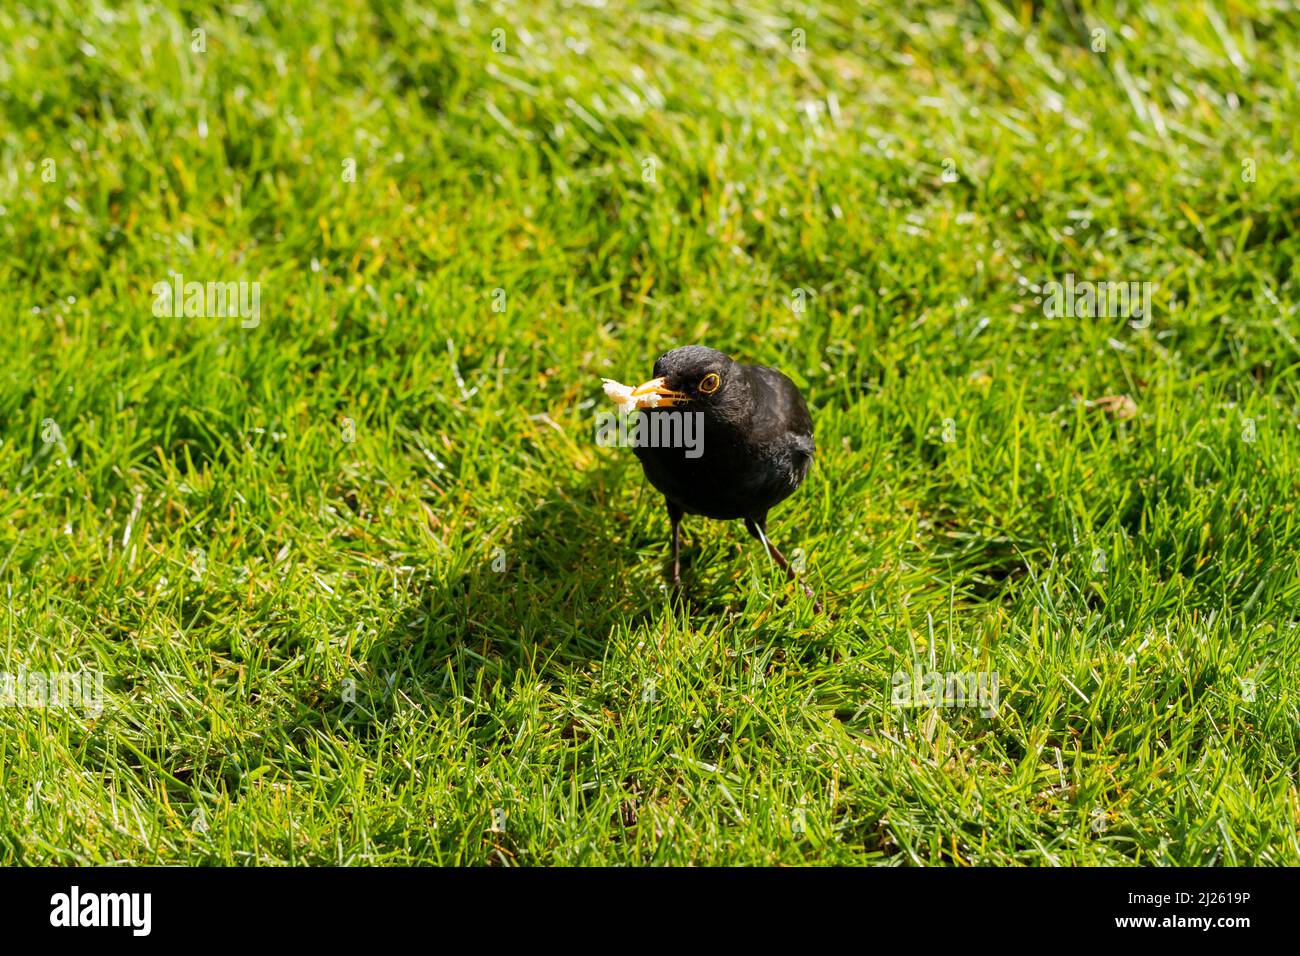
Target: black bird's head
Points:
x,y
696,377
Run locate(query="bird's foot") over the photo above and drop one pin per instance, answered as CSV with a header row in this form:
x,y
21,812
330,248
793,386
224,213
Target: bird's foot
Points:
x,y
817,605
674,575
678,595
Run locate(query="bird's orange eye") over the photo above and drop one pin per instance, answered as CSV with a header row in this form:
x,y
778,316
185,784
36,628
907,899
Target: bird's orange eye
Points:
x,y
709,384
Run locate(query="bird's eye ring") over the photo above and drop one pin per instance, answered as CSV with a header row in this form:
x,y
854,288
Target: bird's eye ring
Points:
x,y
709,384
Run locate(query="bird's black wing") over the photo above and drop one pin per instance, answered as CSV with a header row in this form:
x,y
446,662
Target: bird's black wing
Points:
x,y
780,412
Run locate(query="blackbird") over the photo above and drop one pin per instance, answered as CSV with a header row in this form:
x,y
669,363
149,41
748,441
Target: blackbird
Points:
x,y
757,442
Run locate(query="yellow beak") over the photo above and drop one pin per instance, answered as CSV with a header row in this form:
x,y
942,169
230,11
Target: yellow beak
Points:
x,y
656,393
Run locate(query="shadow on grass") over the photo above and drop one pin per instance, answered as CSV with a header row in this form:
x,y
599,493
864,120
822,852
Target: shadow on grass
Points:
x,y
580,568
547,598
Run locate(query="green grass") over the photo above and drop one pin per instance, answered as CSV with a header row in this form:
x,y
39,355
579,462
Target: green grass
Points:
x,y
303,639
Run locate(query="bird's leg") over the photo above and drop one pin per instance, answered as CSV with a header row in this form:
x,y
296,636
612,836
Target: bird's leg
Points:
x,y
675,516
756,528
